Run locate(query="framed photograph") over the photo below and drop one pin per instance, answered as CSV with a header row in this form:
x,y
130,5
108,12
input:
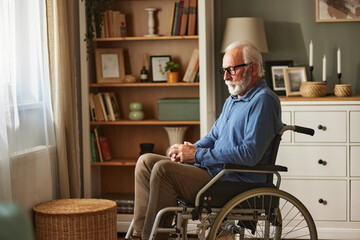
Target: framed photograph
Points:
x,y
275,75
109,65
337,10
158,64
294,77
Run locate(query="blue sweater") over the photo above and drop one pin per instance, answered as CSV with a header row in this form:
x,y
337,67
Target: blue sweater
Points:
x,y
242,134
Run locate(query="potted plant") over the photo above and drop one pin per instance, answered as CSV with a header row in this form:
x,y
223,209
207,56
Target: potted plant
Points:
x,y
171,75
95,11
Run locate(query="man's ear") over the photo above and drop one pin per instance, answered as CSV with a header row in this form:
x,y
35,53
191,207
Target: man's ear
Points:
x,y
254,69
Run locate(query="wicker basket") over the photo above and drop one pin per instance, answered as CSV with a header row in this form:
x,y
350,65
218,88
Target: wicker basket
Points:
x,y
343,90
313,89
76,219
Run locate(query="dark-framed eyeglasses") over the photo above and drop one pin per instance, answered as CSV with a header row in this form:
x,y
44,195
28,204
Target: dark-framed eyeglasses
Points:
x,y
232,69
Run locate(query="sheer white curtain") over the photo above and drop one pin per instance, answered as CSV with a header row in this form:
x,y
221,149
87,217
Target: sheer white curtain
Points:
x,y
27,145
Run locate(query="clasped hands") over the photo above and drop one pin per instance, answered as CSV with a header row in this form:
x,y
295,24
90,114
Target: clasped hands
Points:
x,y
182,153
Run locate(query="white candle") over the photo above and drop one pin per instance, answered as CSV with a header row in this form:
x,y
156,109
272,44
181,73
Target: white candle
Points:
x,y
339,60
324,68
311,54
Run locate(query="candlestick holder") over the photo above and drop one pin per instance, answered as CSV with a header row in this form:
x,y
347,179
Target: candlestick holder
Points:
x,y
311,73
339,78
151,22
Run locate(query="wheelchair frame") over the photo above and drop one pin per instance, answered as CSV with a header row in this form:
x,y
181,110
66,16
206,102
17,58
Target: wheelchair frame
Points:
x,y
213,217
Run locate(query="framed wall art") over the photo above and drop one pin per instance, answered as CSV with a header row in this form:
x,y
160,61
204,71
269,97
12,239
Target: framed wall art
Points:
x,y
158,64
109,65
293,78
275,75
337,10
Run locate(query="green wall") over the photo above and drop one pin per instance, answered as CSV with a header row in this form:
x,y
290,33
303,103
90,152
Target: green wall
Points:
x,y
289,27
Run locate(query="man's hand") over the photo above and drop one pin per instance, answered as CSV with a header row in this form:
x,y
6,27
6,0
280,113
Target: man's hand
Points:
x,y
183,152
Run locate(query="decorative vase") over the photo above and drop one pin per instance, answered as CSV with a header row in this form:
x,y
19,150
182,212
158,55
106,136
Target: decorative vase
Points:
x,y
176,135
343,90
151,22
172,77
136,113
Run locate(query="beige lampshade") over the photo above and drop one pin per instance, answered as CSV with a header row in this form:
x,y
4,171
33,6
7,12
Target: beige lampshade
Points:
x,y
245,29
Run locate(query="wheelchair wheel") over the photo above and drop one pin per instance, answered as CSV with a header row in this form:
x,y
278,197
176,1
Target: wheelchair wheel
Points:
x,y
263,213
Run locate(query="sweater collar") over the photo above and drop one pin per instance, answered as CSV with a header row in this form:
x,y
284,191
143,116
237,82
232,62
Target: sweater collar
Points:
x,y
251,93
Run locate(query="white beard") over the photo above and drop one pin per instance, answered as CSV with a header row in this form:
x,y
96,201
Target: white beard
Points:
x,y
239,86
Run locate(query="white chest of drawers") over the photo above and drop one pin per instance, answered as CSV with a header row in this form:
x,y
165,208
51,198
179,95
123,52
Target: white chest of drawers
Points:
x,y
324,170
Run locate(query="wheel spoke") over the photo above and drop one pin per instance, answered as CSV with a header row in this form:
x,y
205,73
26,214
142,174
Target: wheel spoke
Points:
x,y
265,214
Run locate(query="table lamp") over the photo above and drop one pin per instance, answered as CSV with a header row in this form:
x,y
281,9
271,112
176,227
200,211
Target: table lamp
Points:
x,y
245,29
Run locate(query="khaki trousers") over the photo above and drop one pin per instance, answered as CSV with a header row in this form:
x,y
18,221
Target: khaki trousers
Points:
x,y
158,184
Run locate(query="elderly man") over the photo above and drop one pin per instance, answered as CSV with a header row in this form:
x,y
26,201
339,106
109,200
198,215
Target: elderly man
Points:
x,y
242,134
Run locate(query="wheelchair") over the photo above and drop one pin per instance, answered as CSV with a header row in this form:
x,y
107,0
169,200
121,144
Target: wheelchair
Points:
x,y
241,210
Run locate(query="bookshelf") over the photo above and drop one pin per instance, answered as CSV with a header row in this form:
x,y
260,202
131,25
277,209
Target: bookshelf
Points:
x,y
124,135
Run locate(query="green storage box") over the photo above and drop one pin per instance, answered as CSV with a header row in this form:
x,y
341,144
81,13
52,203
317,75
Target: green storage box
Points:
x,y
178,109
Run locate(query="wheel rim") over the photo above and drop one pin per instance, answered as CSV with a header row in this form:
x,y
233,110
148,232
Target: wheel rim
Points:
x,y
263,213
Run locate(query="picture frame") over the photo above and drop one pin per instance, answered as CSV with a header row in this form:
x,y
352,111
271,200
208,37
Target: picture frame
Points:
x,y
109,65
294,77
337,10
275,76
157,64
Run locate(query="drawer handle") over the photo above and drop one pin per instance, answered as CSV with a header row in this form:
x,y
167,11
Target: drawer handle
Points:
x,y
322,201
321,127
322,162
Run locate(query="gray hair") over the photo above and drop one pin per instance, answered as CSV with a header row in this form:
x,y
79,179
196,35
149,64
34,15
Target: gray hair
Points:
x,y
250,54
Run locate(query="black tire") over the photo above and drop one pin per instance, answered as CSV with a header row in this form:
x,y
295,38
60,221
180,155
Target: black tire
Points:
x,y
263,213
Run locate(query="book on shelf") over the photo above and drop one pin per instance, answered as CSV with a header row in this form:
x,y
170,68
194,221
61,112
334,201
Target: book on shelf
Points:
x,y
177,7
194,72
172,18
108,23
114,24
181,6
97,143
189,75
115,106
93,147
112,106
103,109
192,17
98,108
92,107
106,106
123,32
184,18
197,77
109,106
105,150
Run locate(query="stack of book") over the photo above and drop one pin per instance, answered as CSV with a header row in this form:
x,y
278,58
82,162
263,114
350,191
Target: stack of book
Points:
x,y
114,24
100,150
184,16
192,70
124,202
104,107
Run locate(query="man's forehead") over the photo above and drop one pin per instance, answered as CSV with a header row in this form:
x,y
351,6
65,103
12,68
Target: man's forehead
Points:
x,y
233,56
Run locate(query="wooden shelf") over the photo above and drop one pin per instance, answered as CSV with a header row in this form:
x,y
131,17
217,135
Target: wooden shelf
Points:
x,y
116,162
140,84
118,39
146,122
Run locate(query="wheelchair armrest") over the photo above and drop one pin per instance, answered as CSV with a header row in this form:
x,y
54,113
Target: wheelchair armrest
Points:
x,y
276,168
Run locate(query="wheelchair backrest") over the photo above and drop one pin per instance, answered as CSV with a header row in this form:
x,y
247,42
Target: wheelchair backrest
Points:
x,y
274,151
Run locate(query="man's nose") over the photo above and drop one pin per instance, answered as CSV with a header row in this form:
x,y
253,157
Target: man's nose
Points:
x,y
227,75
